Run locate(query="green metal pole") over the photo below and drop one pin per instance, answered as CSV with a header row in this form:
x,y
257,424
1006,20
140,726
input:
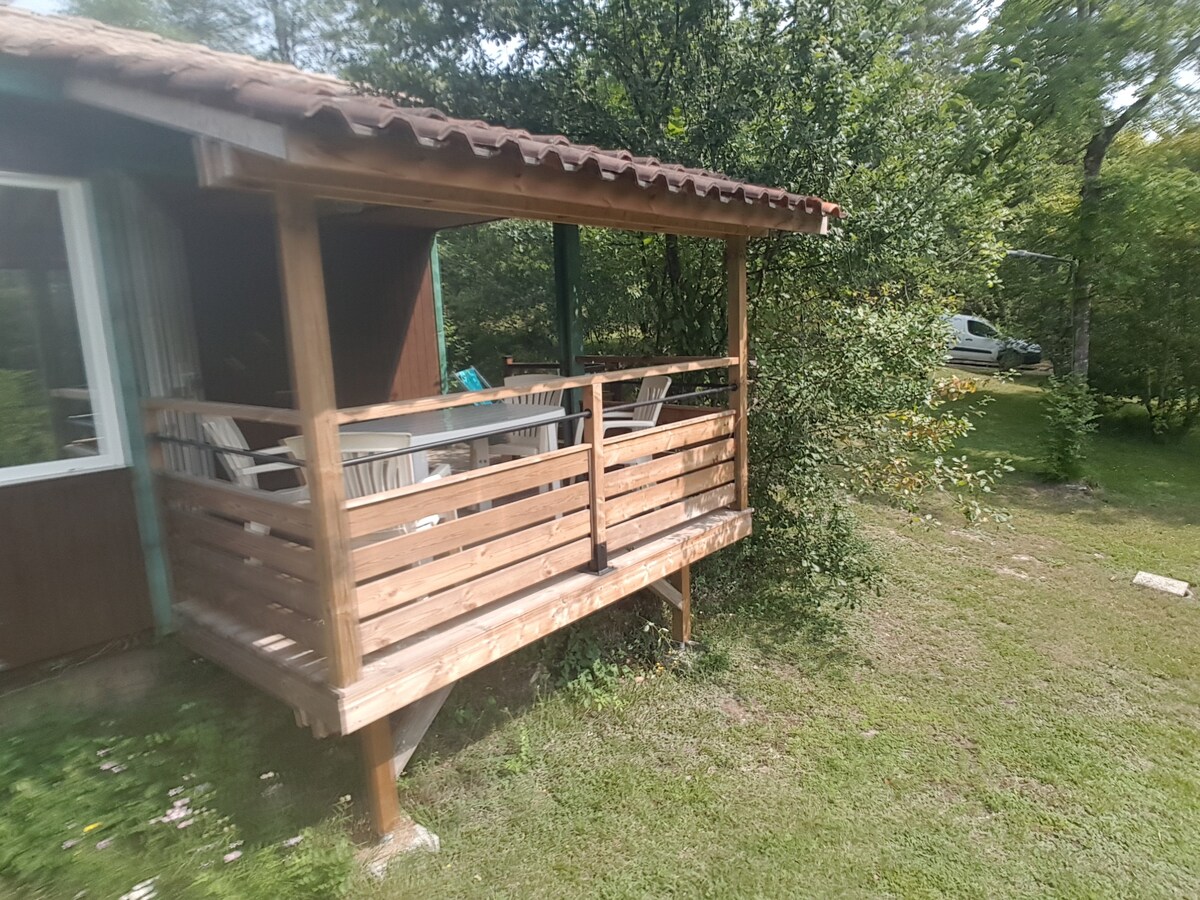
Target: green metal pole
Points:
x,y
435,274
566,305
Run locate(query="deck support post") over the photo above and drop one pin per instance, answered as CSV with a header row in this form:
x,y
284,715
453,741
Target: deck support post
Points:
x,y
681,615
593,436
311,356
380,771
739,348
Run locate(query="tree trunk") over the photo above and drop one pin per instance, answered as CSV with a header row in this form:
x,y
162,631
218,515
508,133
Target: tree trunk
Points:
x,y
1081,287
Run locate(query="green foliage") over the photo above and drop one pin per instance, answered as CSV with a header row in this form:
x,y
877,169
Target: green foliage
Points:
x,y
844,405
213,796
26,432
1070,411
307,33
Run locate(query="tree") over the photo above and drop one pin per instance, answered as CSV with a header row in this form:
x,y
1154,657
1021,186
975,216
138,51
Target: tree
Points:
x,y
822,98
305,33
1086,70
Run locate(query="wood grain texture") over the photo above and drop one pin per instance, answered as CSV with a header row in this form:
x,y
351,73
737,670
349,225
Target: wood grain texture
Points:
x,y
373,560
396,679
624,448
312,381
383,803
670,466
377,512
593,437
71,566
474,562
291,519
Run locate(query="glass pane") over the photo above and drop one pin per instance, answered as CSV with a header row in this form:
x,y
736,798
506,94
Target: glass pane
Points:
x,y
45,410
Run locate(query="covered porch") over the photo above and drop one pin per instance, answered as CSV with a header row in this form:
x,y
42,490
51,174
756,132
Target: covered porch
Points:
x,y
333,601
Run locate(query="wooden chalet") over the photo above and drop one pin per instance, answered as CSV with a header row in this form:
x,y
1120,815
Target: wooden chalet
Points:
x,y
228,240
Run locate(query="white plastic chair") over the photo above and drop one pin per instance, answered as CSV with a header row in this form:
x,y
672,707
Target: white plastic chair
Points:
x,y
527,441
651,389
379,475
243,470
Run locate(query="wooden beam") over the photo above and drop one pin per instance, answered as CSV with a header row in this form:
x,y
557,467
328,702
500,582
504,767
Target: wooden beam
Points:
x,y
183,115
410,724
380,772
312,384
739,347
681,616
270,415
380,172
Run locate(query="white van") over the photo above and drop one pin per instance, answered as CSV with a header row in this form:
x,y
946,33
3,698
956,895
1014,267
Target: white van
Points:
x,y
976,341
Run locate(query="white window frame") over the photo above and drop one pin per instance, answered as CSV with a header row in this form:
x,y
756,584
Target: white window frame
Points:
x,y
95,336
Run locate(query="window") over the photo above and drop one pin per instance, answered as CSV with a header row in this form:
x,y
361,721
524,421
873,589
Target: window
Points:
x,y
58,409
980,328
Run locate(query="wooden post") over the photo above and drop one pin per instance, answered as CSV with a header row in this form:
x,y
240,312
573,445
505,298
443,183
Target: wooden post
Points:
x,y
312,384
593,435
681,616
380,773
739,346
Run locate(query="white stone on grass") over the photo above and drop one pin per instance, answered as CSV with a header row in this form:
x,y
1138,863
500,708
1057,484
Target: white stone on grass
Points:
x,y
1162,583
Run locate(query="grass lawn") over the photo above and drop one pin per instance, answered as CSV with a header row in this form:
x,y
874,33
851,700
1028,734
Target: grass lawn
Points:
x,y
1009,718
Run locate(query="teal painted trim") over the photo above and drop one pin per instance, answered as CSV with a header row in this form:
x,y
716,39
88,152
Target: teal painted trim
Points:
x,y
21,81
567,268
435,275
108,233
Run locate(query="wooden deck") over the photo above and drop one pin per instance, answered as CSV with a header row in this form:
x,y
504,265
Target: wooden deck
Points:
x,y
408,670
521,549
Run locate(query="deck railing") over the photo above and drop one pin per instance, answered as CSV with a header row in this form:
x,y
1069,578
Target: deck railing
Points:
x,y
502,529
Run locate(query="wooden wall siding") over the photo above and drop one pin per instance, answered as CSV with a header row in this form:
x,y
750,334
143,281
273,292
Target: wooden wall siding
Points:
x,y
380,309
71,568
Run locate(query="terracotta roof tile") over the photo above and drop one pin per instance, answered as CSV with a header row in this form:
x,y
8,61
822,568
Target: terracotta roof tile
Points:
x,y
282,93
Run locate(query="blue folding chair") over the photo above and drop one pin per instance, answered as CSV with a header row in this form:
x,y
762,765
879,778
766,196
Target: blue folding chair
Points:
x,y
471,379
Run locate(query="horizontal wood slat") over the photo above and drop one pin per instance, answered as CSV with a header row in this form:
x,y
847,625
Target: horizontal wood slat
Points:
x,y
456,650
393,590
279,554
378,512
225,573
639,529
637,502
446,401
428,612
671,466
384,556
282,668
271,415
198,587
627,447
292,519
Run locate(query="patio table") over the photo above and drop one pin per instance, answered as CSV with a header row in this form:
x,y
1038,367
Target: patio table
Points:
x,y
464,424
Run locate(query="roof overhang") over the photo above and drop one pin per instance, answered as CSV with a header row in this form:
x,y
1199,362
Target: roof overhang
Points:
x,y
372,172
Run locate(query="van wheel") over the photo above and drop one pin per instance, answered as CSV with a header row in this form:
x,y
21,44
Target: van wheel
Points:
x,y
1008,360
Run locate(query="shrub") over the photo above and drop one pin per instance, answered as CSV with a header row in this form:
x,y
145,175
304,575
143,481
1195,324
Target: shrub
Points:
x,y
1070,410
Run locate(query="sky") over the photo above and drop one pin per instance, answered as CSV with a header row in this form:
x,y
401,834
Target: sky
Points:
x,y
42,6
